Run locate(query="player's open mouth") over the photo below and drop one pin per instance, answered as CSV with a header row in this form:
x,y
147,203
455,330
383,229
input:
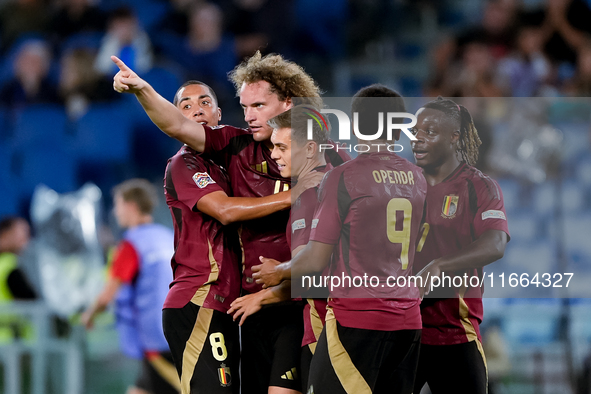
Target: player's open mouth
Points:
x,y
419,154
204,123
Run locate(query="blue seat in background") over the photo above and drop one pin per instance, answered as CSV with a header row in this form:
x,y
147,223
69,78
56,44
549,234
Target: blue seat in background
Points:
x,y
530,257
572,197
86,40
103,135
576,139
524,226
45,163
544,198
8,200
577,228
583,170
5,127
40,123
531,321
511,193
150,13
164,81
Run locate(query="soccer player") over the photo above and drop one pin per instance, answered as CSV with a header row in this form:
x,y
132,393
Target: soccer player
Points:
x,y
296,156
466,230
367,218
202,337
139,279
266,85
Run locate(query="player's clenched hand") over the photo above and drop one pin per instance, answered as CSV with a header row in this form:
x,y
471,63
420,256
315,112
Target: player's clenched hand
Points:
x,y
245,306
311,179
431,270
126,81
266,273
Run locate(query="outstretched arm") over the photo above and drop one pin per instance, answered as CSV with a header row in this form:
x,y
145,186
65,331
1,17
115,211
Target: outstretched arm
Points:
x,y
237,209
162,112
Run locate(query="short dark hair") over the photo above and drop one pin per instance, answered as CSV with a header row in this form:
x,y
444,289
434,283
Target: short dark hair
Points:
x,y
8,222
193,82
139,191
366,104
296,119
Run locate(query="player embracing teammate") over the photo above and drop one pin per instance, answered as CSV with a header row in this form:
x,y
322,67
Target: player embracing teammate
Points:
x,y
370,342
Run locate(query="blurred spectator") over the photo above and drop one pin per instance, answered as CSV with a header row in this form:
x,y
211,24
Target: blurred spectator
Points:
x,y
126,40
474,75
580,85
566,26
255,24
138,281
20,17
15,235
494,34
526,71
80,84
30,83
177,20
76,16
206,53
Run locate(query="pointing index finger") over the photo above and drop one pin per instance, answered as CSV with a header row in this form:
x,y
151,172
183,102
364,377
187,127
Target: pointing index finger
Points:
x,y
122,66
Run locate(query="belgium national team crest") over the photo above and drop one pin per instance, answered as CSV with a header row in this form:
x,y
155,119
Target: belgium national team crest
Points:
x,y
225,376
450,206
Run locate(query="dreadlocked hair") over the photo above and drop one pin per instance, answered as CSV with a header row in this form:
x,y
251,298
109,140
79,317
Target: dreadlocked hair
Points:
x,y
469,140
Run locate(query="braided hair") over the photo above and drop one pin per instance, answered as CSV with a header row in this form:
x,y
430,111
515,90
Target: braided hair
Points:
x,y
469,141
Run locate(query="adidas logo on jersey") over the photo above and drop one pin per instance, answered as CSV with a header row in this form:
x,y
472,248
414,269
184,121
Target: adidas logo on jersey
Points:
x,y
290,375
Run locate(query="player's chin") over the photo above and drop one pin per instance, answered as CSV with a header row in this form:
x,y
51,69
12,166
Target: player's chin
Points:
x,y
261,135
285,173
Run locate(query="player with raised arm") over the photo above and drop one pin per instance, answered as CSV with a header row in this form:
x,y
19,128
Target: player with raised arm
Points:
x,y
367,218
202,338
296,156
465,230
266,85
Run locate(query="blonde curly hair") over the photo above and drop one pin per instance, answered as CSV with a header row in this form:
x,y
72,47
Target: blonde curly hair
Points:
x,y
287,79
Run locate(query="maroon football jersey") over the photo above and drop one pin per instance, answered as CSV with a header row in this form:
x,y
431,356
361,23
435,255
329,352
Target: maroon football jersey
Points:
x,y
459,209
205,261
253,173
298,234
371,209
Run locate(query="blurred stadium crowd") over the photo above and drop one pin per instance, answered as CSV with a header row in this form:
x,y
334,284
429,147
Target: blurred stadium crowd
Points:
x,y
61,124
55,73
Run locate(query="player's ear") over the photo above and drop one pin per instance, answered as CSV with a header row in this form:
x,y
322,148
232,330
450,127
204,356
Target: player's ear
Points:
x,y
288,103
219,114
311,149
455,136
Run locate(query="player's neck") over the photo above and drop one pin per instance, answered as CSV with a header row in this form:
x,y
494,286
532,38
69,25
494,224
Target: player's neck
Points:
x,y
268,144
311,164
436,175
140,220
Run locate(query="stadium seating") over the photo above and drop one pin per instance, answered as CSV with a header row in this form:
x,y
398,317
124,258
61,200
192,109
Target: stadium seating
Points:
x,y
103,135
44,162
40,123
